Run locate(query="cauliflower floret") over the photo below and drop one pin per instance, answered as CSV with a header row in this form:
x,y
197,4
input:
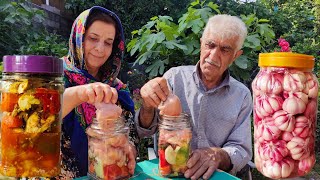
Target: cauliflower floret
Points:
x,y
47,123
19,86
23,86
25,102
33,123
13,88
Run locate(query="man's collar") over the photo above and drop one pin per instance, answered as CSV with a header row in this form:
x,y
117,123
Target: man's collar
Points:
x,y
196,75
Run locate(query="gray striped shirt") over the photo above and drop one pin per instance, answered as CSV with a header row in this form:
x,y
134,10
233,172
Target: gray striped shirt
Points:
x,y
220,116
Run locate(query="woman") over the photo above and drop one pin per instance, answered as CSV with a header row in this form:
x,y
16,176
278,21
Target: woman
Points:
x,y
96,48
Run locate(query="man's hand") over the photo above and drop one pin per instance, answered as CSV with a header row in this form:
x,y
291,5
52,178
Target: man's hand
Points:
x,y
203,162
152,93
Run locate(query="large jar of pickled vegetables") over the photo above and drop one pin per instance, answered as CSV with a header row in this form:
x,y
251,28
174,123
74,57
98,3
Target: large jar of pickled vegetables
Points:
x,y
174,144
108,149
285,95
31,93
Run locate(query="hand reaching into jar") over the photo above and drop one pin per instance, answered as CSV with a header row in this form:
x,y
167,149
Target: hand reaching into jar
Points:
x,y
91,93
154,92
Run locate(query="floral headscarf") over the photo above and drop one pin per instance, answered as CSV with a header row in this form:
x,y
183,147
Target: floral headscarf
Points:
x,y
75,69
74,139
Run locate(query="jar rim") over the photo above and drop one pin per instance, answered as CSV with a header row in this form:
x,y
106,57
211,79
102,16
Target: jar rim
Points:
x,y
120,126
286,59
175,122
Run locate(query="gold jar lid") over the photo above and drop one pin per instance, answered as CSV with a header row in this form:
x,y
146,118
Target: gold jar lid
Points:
x,y
286,59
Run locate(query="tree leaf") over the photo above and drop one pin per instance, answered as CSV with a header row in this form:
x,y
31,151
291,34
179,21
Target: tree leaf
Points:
x,y
166,19
242,62
143,57
215,7
134,32
150,24
252,41
263,21
155,68
131,44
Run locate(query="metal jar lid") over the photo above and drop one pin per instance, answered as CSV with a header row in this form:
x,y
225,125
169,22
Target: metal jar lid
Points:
x,y
32,64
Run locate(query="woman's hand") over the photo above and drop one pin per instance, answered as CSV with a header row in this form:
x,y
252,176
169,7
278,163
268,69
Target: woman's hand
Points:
x,y
132,154
91,93
97,92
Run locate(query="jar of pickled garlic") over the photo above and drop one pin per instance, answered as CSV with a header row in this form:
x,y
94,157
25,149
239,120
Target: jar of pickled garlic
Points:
x,y
108,149
31,96
174,144
285,95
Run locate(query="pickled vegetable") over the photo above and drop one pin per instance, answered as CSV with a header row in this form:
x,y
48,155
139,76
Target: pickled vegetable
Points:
x,y
108,144
174,148
30,132
285,108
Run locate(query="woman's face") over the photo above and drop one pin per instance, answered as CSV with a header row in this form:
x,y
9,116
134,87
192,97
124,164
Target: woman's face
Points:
x,y
98,42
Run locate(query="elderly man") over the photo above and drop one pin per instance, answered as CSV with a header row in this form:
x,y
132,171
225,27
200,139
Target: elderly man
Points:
x,y
220,106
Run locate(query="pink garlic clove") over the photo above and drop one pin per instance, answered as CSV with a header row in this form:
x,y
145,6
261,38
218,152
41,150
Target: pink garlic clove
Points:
x,y
171,107
266,105
306,165
302,127
267,129
294,81
310,109
294,105
284,120
299,148
286,136
312,85
276,170
275,150
270,83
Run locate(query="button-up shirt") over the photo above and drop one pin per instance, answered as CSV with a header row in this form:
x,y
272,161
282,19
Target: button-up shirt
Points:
x,y
220,116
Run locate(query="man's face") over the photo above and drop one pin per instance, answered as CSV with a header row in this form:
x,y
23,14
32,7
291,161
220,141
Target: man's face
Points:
x,y
215,57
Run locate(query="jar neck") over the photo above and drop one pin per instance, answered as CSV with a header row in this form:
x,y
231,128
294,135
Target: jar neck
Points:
x,y
11,75
116,125
175,122
264,68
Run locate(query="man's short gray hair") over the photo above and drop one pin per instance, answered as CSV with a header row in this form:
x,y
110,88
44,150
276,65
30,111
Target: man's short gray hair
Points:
x,y
226,27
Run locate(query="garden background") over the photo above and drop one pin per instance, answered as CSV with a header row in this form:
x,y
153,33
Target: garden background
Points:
x,y
164,34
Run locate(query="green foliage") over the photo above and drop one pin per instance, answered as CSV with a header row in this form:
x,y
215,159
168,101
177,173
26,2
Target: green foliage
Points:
x,y
162,43
133,13
45,43
303,33
28,39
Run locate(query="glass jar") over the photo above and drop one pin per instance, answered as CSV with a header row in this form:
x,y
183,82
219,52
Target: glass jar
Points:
x,y
285,96
108,149
31,96
174,145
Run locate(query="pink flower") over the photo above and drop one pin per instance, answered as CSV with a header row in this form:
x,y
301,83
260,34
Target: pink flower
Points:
x,y
79,79
121,45
285,46
136,91
285,49
89,112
